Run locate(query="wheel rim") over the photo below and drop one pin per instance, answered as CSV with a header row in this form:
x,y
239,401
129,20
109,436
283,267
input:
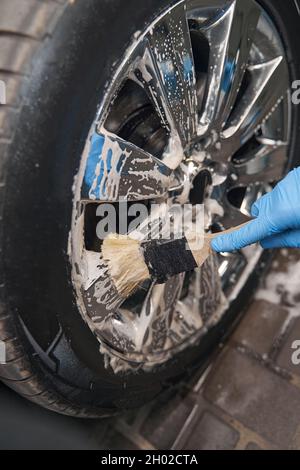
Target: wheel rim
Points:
x,y
204,90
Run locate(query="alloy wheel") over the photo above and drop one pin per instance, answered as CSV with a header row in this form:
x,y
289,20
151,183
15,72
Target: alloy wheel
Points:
x,y
197,111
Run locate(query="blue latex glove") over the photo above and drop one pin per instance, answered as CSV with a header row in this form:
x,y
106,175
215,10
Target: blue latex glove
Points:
x,y
276,223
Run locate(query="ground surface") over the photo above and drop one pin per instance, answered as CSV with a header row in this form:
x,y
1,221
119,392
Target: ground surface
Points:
x,y
249,398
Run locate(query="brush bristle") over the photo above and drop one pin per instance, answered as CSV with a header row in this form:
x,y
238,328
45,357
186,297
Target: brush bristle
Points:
x,y
125,261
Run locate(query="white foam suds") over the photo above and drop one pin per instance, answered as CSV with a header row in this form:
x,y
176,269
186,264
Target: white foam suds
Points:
x,y
173,155
282,288
214,207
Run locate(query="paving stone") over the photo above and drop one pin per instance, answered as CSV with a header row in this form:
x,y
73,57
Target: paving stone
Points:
x,y
284,258
252,446
116,441
260,399
285,356
210,433
166,420
260,326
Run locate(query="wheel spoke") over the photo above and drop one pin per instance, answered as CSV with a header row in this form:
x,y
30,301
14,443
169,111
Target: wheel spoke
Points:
x,y
267,87
118,170
155,319
98,293
166,72
216,32
230,38
211,295
243,27
204,295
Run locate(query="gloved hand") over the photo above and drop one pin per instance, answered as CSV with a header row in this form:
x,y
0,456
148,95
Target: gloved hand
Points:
x,y
276,223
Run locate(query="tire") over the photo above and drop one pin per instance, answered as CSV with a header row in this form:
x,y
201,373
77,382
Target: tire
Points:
x,y
56,59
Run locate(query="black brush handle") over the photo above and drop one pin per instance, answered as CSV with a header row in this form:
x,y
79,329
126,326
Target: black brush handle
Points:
x,y
165,258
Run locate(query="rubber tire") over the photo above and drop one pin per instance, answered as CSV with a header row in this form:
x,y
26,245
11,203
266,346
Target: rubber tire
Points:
x,y
56,73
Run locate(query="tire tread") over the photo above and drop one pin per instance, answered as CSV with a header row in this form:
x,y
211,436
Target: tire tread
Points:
x,y
24,26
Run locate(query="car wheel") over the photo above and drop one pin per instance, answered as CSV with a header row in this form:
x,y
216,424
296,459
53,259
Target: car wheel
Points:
x,y
197,89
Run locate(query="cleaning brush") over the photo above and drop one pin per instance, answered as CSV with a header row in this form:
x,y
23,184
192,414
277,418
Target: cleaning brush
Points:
x,y
131,261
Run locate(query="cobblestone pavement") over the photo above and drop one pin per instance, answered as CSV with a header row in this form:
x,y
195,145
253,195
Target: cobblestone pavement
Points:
x,y
249,397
